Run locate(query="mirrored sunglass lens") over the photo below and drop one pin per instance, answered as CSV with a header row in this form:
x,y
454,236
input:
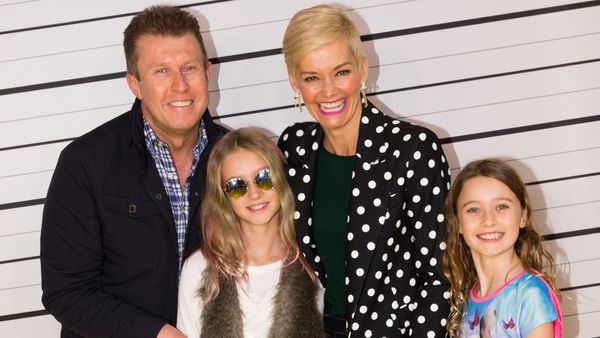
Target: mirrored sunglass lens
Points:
x,y
235,188
263,180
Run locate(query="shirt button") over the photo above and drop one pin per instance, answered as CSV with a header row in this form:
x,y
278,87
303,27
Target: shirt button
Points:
x,y
132,208
159,196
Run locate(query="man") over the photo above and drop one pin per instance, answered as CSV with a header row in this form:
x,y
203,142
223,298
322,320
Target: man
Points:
x,y
122,209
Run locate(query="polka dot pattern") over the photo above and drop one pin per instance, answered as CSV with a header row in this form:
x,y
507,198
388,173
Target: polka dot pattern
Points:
x,y
394,244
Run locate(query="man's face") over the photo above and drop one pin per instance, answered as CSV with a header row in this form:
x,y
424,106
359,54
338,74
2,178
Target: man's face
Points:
x,y
172,84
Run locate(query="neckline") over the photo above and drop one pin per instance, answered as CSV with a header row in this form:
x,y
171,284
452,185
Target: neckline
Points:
x,y
264,268
330,154
495,293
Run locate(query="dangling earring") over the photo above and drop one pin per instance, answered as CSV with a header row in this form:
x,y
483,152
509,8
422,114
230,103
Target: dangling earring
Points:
x,y
298,102
363,94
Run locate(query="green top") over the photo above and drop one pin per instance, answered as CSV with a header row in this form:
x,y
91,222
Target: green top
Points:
x,y
329,224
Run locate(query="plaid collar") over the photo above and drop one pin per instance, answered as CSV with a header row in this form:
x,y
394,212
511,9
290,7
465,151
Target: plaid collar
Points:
x,y
153,142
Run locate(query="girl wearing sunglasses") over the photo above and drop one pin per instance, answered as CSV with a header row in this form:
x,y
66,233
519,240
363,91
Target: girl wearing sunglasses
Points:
x,y
248,279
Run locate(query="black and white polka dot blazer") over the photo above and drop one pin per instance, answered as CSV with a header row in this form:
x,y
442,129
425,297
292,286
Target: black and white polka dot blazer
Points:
x,y
396,228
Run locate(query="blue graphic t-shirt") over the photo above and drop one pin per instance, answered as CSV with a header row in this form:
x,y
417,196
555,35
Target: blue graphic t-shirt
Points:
x,y
514,310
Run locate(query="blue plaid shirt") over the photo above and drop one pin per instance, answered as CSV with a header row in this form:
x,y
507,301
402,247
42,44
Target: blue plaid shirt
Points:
x,y
178,197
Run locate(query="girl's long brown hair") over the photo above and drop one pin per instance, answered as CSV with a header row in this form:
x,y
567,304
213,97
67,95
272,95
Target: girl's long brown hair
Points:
x,y
457,261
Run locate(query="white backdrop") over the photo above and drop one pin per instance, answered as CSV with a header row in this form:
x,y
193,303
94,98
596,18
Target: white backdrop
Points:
x,y
513,79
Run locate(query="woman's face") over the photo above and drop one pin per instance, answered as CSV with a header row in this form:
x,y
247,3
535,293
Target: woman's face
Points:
x,y
329,80
257,207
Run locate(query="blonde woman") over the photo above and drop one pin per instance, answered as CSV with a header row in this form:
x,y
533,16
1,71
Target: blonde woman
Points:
x,y
369,189
249,278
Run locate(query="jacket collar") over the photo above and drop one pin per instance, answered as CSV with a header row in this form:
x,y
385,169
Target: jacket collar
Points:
x,y
371,153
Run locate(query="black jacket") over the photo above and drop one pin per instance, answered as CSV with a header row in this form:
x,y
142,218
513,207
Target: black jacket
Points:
x,y
396,231
108,243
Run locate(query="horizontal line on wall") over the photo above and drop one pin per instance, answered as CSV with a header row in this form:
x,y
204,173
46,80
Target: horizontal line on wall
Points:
x,y
276,51
443,83
245,56
567,234
257,111
547,237
8,261
102,77
501,102
521,129
428,28
460,23
482,20
580,287
17,2
483,77
62,83
20,204
37,144
563,178
37,313
22,315
20,30
447,140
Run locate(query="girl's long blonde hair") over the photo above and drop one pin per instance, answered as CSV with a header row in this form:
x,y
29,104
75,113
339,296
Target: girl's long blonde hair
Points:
x,y
457,261
223,246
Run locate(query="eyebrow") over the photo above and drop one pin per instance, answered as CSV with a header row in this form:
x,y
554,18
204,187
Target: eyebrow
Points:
x,y
256,173
508,199
342,65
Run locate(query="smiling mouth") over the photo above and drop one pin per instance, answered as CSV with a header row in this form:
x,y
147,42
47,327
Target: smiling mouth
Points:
x,y
332,107
490,236
258,207
185,103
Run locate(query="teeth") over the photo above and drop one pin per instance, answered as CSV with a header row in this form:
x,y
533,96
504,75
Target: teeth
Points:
x,y
492,235
181,103
257,207
330,107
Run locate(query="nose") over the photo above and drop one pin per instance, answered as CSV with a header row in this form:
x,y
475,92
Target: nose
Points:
x,y
488,217
254,192
180,83
329,88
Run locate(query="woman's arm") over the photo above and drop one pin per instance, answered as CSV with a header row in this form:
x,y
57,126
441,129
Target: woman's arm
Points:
x,y
426,191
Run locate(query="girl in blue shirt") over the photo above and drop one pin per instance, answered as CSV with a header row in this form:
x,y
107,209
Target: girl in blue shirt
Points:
x,y
494,258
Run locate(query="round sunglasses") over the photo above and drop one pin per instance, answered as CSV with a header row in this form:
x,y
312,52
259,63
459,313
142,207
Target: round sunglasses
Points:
x,y
237,187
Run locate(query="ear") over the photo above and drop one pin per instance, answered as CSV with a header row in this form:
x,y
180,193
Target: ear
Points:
x,y
293,83
523,220
208,71
133,83
364,70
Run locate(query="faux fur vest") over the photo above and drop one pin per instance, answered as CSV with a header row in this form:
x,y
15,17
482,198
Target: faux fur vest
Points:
x,y
295,313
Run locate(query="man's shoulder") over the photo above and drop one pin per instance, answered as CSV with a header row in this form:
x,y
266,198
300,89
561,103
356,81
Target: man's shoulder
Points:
x,y
116,130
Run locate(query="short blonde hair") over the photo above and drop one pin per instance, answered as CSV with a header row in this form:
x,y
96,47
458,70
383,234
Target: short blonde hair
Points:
x,y
314,27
